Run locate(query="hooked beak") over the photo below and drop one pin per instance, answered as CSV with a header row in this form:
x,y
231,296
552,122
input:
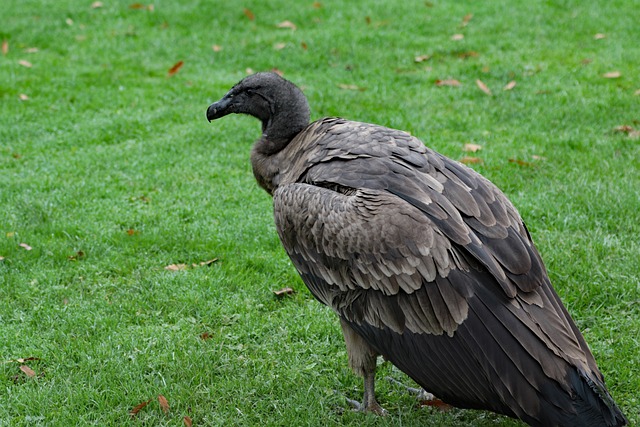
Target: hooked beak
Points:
x,y
219,109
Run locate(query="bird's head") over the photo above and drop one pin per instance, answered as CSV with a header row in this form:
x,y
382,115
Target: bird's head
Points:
x,y
277,103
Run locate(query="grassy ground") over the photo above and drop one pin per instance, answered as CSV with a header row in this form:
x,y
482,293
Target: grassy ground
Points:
x,y
109,172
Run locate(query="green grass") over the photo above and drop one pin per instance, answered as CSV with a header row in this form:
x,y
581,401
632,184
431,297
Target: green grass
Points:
x,y
111,158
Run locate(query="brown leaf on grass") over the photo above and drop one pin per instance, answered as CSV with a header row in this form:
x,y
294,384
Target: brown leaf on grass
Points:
x,y
176,67
520,162
471,147
1,258
436,403
5,47
96,5
164,404
447,82
248,70
623,129
78,255
287,24
421,58
131,232
469,54
303,45
344,86
25,246
140,6
25,64
277,71
187,421
284,291
27,371
317,5
176,267
471,160
466,19
69,21
138,408
510,85
599,36
367,19
250,16
483,87
457,37
279,46
536,157
216,48
612,75
205,336
10,234
208,262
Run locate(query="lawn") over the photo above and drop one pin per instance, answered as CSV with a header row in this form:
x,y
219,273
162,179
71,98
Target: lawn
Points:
x,y
116,195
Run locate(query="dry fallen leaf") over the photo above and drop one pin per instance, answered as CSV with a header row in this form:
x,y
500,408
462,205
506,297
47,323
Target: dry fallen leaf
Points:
x,y
623,129
637,93
612,75
176,67
205,336
131,232
350,87
5,47
457,37
483,87
248,70
277,71
317,4
471,160
96,4
187,421
510,85
520,162
176,267
24,63
136,6
599,36
283,291
471,147
248,14
138,408
164,404
78,255
23,97
279,46
25,246
469,54
421,58
27,371
287,24
216,48
436,403
1,258
69,21
303,45
447,82
466,19
208,262
536,157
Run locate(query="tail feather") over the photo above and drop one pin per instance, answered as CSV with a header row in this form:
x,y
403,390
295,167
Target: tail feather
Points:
x,y
594,404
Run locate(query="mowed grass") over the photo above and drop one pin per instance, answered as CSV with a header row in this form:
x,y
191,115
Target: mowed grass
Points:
x,y
110,172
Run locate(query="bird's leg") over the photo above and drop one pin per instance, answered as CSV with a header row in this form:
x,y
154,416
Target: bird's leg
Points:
x,y
362,360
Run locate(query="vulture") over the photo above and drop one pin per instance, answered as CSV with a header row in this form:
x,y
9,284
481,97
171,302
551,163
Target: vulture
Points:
x,y
425,262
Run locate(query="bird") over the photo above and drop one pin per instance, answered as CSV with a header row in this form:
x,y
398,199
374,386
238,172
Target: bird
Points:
x,y
425,262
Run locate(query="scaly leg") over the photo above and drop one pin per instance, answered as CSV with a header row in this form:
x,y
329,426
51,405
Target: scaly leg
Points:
x,y
362,360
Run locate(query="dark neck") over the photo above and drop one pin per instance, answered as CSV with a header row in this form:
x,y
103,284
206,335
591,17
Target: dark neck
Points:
x,y
281,127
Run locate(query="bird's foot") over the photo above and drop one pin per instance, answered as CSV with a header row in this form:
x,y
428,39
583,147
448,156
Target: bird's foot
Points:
x,y
371,406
